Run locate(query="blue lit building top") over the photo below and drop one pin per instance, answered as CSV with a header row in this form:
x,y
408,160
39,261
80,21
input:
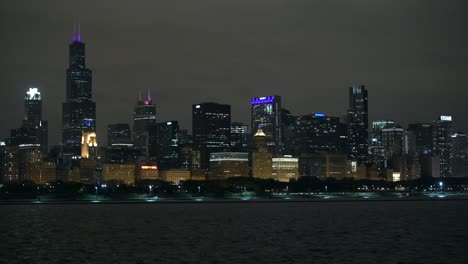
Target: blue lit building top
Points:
x,y
262,100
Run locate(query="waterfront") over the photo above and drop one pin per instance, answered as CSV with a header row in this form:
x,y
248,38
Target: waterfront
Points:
x,y
422,231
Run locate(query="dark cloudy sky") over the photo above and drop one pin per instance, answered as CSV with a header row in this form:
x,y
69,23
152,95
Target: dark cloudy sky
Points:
x,y
412,55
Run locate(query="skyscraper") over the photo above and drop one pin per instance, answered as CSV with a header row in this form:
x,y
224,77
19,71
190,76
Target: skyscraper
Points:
x,y
266,114
35,129
144,116
211,124
260,157
79,109
459,162
442,143
358,124
239,142
318,132
119,134
420,139
164,146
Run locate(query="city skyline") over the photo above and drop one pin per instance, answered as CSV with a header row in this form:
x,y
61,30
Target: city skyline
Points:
x,y
116,83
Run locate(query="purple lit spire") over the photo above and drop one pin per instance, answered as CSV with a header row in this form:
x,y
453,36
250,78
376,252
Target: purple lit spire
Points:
x,y
79,33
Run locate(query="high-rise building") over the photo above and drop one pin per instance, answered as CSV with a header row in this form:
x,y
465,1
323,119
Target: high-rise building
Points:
x,y
211,124
420,140
358,124
261,156
164,146
459,162
79,109
376,147
239,141
393,140
118,134
33,130
442,143
288,126
266,114
144,116
318,132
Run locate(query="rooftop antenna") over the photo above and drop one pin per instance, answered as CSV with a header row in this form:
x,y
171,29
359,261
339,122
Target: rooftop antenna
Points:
x,y
149,96
74,33
139,96
79,32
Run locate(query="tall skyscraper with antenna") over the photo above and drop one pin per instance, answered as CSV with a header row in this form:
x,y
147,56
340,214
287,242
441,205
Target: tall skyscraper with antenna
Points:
x,y
79,109
144,117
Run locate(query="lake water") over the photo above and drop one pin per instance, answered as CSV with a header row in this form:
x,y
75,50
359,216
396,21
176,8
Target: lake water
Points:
x,y
249,232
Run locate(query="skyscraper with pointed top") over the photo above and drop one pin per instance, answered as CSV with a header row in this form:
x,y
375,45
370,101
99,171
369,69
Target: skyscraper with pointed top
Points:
x,y
144,116
79,109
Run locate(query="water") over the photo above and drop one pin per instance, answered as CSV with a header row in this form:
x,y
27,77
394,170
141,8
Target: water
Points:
x,y
292,232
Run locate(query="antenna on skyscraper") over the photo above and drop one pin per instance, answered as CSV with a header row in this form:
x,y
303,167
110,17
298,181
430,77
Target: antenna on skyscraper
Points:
x,y
149,96
139,96
74,32
79,32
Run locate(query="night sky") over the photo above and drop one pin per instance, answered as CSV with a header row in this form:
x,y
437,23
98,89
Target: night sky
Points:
x,y
412,56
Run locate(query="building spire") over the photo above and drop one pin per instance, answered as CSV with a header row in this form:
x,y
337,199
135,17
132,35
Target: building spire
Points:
x,y
74,33
79,32
139,96
149,96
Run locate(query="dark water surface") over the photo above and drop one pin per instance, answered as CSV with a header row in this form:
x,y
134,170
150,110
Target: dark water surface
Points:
x,y
293,232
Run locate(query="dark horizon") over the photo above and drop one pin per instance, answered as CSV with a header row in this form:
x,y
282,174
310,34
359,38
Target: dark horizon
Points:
x,y
411,57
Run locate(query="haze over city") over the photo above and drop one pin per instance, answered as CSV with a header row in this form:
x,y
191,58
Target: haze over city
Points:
x,y
412,57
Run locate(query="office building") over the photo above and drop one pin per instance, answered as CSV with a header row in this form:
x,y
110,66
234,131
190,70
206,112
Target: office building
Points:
x,y
358,126
239,137
211,124
119,134
459,162
164,146
79,108
261,156
266,114
318,132
442,143
285,169
144,117
224,165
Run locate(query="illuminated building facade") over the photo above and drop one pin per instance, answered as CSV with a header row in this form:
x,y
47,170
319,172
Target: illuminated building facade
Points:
x,y
285,168
88,145
120,173
144,116
147,172
79,109
224,165
358,123
261,157
211,124
175,176
266,114
442,143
